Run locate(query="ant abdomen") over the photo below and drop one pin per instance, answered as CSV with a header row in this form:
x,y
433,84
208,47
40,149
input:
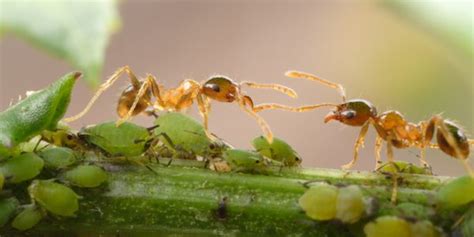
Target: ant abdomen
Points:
x,y
127,98
460,148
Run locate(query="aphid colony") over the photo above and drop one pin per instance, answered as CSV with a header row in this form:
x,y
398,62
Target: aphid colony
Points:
x,y
353,204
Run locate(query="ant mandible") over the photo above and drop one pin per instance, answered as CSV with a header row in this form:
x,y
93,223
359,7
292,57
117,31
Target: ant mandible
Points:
x,y
391,126
136,98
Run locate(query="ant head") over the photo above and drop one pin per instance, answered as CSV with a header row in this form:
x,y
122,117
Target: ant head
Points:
x,y
127,98
221,88
460,148
353,112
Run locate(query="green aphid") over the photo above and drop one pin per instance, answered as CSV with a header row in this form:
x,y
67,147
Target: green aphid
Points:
x,y
86,176
54,197
424,229
39,111
58,157
8,207
456,193
21,168
63,136
244,160
26,219
128,139
414,211
319,202
403,167
184,134
350,206
278,150
388,226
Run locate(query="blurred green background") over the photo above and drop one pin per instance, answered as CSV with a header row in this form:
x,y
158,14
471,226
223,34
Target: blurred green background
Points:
x,y
412,56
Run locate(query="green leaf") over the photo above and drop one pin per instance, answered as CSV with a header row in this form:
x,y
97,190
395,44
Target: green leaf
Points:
x,y
77,31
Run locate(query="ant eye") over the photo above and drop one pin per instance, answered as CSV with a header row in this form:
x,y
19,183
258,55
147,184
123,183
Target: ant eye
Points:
x,y
212,146
69,137
349,114
257,161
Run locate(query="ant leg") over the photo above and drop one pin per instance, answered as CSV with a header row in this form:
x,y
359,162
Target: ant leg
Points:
x,y
390,152
155,90
468,167
281,88
358,144
378,148
143,89
112,79
246,104
305,108
204,108
308,76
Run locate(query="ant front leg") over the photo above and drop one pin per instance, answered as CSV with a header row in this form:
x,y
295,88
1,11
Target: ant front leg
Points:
x,y
246,104
267,106
204,106
112,79
281,88
358,144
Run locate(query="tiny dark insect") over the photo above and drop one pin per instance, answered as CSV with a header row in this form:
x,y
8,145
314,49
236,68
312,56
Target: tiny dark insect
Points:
x,y
222,212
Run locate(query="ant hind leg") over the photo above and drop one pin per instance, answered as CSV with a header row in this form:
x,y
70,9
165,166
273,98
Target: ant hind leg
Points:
x,y
112,79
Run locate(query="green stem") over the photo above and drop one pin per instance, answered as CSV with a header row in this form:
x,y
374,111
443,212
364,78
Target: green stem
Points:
x,y
182,199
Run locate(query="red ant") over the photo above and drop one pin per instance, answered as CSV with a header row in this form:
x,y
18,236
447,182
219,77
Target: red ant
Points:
x,y
136,98
391,126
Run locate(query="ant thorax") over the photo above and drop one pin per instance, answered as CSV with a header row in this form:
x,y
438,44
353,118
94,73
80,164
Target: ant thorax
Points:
x,y
395,128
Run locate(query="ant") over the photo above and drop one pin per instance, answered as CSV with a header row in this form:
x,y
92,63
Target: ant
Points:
x,y
391,126
136,97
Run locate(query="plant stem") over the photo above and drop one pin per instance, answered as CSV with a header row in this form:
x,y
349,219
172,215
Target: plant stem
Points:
x,y
183,199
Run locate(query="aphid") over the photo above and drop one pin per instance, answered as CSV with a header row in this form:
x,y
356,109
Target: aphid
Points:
x,y
86,176
350,206
388,226
395,168
243,160
137,97
39,111
403,167
21,168
414,211
184,134
126,140
278,150
391,126
456,193
26,219
425,229
54,197
63,136
319,202
8,207
58,157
